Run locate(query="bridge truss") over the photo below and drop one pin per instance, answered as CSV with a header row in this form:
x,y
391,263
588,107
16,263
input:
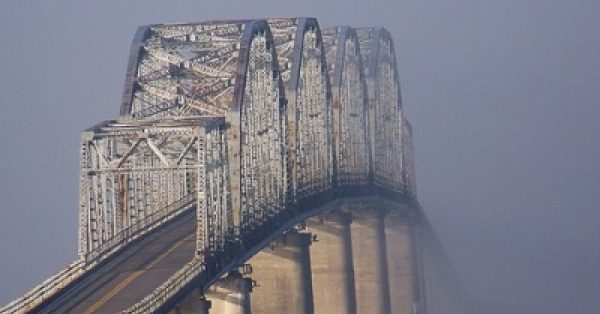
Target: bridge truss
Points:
x,y
257,124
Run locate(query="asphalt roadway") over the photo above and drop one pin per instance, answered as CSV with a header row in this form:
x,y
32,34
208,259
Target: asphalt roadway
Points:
x,y
127,278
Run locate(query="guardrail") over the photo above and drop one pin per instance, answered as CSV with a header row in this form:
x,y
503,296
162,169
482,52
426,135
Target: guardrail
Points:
x,y
152,302
73,271
137,230
46,289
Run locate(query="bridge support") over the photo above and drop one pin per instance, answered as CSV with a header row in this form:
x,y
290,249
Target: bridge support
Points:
x,y
230,295
331,264
400,260
370,260
424,268
283,276
194,303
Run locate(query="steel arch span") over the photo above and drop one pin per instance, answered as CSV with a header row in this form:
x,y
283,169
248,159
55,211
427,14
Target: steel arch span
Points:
x,y
231,133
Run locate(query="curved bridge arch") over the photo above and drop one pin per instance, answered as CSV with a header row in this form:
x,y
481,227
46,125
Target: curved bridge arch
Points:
x,y
385,106
309,140
350,115
257,118
223,68
187,69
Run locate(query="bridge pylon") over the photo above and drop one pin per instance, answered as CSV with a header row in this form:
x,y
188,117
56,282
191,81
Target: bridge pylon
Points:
x,y
282,273
370,260
399,234
231,294
331,263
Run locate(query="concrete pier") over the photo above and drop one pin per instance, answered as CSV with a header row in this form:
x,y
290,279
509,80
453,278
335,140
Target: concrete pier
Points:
x,y
230,295
331,263
370,261
401,261
283,276
193,303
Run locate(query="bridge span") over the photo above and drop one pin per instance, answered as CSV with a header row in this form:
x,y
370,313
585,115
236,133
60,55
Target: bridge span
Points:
x,y
260,166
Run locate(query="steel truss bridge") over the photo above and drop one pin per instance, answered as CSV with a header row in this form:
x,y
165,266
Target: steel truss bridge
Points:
x,y
232,135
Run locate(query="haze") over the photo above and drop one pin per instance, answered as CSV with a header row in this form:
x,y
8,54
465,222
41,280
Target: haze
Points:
x,y
503,97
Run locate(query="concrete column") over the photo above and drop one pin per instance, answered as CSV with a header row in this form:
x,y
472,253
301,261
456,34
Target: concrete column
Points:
x,y
400,260
193,303
422,286
331,264
283,276
370,261
230,295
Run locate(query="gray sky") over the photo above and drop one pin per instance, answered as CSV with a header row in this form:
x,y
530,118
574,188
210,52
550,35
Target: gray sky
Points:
x,y
504,97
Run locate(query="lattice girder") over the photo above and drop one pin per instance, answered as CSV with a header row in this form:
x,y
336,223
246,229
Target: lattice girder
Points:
x,y
218,68
257,132
384,105
350,114
309,140
182,69
132,169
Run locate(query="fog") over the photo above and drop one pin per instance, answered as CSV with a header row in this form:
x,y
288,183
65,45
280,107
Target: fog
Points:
x,y
503,97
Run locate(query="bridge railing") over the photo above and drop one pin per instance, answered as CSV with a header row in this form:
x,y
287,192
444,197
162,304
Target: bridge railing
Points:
x,y
139,229
73,271
46,289
173,286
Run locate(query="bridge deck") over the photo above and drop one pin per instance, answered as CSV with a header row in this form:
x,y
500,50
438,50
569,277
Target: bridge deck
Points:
x,y
133,274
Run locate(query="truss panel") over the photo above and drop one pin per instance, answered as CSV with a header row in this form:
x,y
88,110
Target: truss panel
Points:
x,y
309,138
182,69
133,169
385,107
262,129
350,114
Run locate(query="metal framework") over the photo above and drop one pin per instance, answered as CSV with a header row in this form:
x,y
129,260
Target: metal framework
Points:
x,y
309,143
262,133
239,120
182,70
350,128
385,106
225,68
132,170
408,162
